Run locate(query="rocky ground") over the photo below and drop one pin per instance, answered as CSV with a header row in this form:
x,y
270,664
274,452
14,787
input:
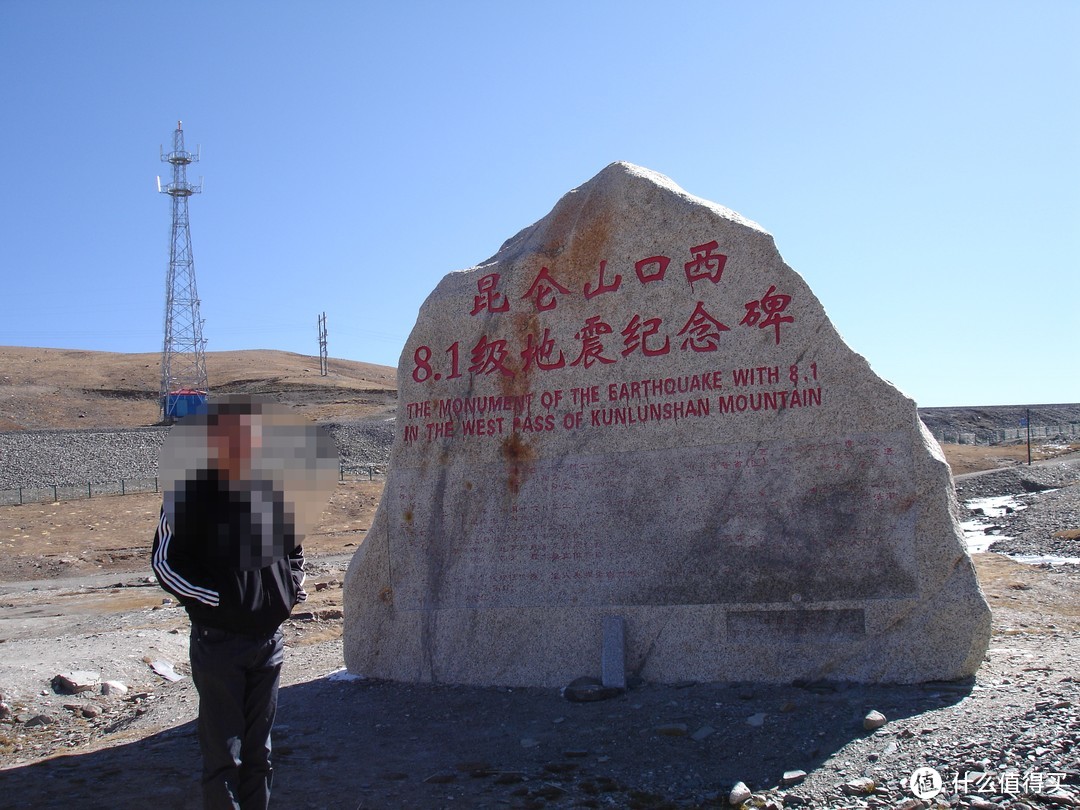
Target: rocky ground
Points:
x,y
1052,529
996,741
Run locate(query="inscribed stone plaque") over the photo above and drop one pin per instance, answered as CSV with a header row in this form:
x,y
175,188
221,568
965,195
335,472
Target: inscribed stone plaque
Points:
x,y
637,409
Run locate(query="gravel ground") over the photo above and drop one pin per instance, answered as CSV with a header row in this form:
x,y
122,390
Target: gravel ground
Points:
x,y
42,458
362,443
1019,480
39,458
999,740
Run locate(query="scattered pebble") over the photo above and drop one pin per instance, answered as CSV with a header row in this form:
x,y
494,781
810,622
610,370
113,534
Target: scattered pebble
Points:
x,y
792,778
874,720
739,794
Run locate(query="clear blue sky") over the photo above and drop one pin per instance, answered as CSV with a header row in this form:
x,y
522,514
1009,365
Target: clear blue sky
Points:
x,y
917,162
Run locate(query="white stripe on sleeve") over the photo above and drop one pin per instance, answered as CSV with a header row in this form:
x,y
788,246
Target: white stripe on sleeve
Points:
x,y
166,574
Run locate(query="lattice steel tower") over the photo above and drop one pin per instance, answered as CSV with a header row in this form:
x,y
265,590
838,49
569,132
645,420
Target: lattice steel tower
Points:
x,y
183,359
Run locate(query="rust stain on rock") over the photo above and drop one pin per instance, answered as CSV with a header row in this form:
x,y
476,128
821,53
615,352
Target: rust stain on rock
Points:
x,y
563,222
515,450
517,454
574,240
522,326
581,265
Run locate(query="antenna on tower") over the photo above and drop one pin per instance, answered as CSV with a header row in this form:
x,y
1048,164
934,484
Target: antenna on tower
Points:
x,y
184,387
323,363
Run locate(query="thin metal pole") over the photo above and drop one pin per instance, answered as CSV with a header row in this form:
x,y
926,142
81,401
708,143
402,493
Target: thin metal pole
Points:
x,y
1029,435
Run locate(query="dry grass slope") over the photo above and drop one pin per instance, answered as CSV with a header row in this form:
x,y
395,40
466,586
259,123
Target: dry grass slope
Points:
x,y
66,388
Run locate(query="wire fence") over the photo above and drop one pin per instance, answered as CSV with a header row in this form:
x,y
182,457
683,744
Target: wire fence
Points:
x,y
133,486
369,471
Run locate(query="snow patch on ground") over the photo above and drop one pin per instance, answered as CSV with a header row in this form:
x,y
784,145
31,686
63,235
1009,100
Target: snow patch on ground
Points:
x,y
344,676
975,534
978,540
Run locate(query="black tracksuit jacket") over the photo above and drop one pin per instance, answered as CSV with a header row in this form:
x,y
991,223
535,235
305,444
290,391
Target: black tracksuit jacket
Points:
x,y
205,560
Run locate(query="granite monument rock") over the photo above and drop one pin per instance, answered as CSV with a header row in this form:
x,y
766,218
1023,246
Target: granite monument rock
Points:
x,y
637,410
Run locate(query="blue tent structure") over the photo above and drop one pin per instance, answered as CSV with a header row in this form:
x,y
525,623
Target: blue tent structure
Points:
x,y
185,402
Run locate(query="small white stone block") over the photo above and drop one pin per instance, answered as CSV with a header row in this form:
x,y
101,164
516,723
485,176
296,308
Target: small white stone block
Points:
x,y
613,660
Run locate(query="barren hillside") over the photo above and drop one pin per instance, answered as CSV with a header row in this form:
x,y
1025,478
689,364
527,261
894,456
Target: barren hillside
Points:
x,y
985,421
65,388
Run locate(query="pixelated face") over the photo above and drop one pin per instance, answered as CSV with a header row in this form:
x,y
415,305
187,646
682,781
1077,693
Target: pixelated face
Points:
x,y
233,440
276,470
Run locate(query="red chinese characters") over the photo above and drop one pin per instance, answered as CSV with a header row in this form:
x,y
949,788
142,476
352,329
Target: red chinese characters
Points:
x,y
525,342
601,287
592,346
489,356
543,291
489,298
538,351
768,311
651,269
637,334
706,264
702,331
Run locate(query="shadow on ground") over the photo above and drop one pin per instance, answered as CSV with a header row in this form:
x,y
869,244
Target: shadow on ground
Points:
x,y
384,746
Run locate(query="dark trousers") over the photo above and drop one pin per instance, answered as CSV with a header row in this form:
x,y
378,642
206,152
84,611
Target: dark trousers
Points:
x,y
237,677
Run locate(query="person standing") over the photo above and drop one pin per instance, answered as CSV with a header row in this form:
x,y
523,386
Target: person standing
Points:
x,y
226,547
